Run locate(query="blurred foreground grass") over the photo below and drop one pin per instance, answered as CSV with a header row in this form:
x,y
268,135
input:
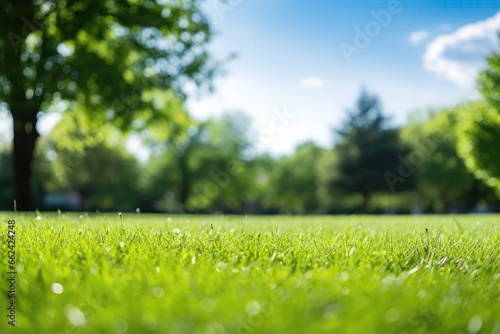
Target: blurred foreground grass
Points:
x,y
221,274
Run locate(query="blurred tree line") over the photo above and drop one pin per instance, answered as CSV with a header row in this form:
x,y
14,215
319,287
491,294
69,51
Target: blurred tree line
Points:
x,y
206,166
143,57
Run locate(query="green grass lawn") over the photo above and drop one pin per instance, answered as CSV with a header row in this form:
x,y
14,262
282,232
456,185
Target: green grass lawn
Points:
x,y
211,274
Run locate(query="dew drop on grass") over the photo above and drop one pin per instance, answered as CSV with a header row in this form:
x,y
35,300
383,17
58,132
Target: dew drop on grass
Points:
x,y
392,315
216,327
75,316
252,308
475,324
38,218
120,325
176,230
158,292
344,276
352,250
422,293
57,288
331,311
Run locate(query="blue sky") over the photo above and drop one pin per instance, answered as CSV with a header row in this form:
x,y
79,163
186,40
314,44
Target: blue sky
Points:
x,y
289,56
290,61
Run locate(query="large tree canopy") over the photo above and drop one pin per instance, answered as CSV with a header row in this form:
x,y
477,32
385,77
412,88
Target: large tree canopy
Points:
x,y
102,55
479,129
443,181
489,80
478,138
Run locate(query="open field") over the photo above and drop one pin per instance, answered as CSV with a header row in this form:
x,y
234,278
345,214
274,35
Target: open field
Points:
x,y
209,274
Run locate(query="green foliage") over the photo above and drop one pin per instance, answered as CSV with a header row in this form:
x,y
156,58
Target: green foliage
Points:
x,y
103,58
160,183
442,177
215,161
104,55
326,172
294,180
479,131
205,169
165,117
260,195
366,151
223,274
489,81
478,138
100,168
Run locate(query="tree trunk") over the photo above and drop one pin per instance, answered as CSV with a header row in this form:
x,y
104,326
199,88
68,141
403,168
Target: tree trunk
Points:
x,y
366,203
25,135
446,204
185,182
21,22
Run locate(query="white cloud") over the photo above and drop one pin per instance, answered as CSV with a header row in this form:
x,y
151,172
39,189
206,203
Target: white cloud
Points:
x,y
477,39
418,36
312,82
